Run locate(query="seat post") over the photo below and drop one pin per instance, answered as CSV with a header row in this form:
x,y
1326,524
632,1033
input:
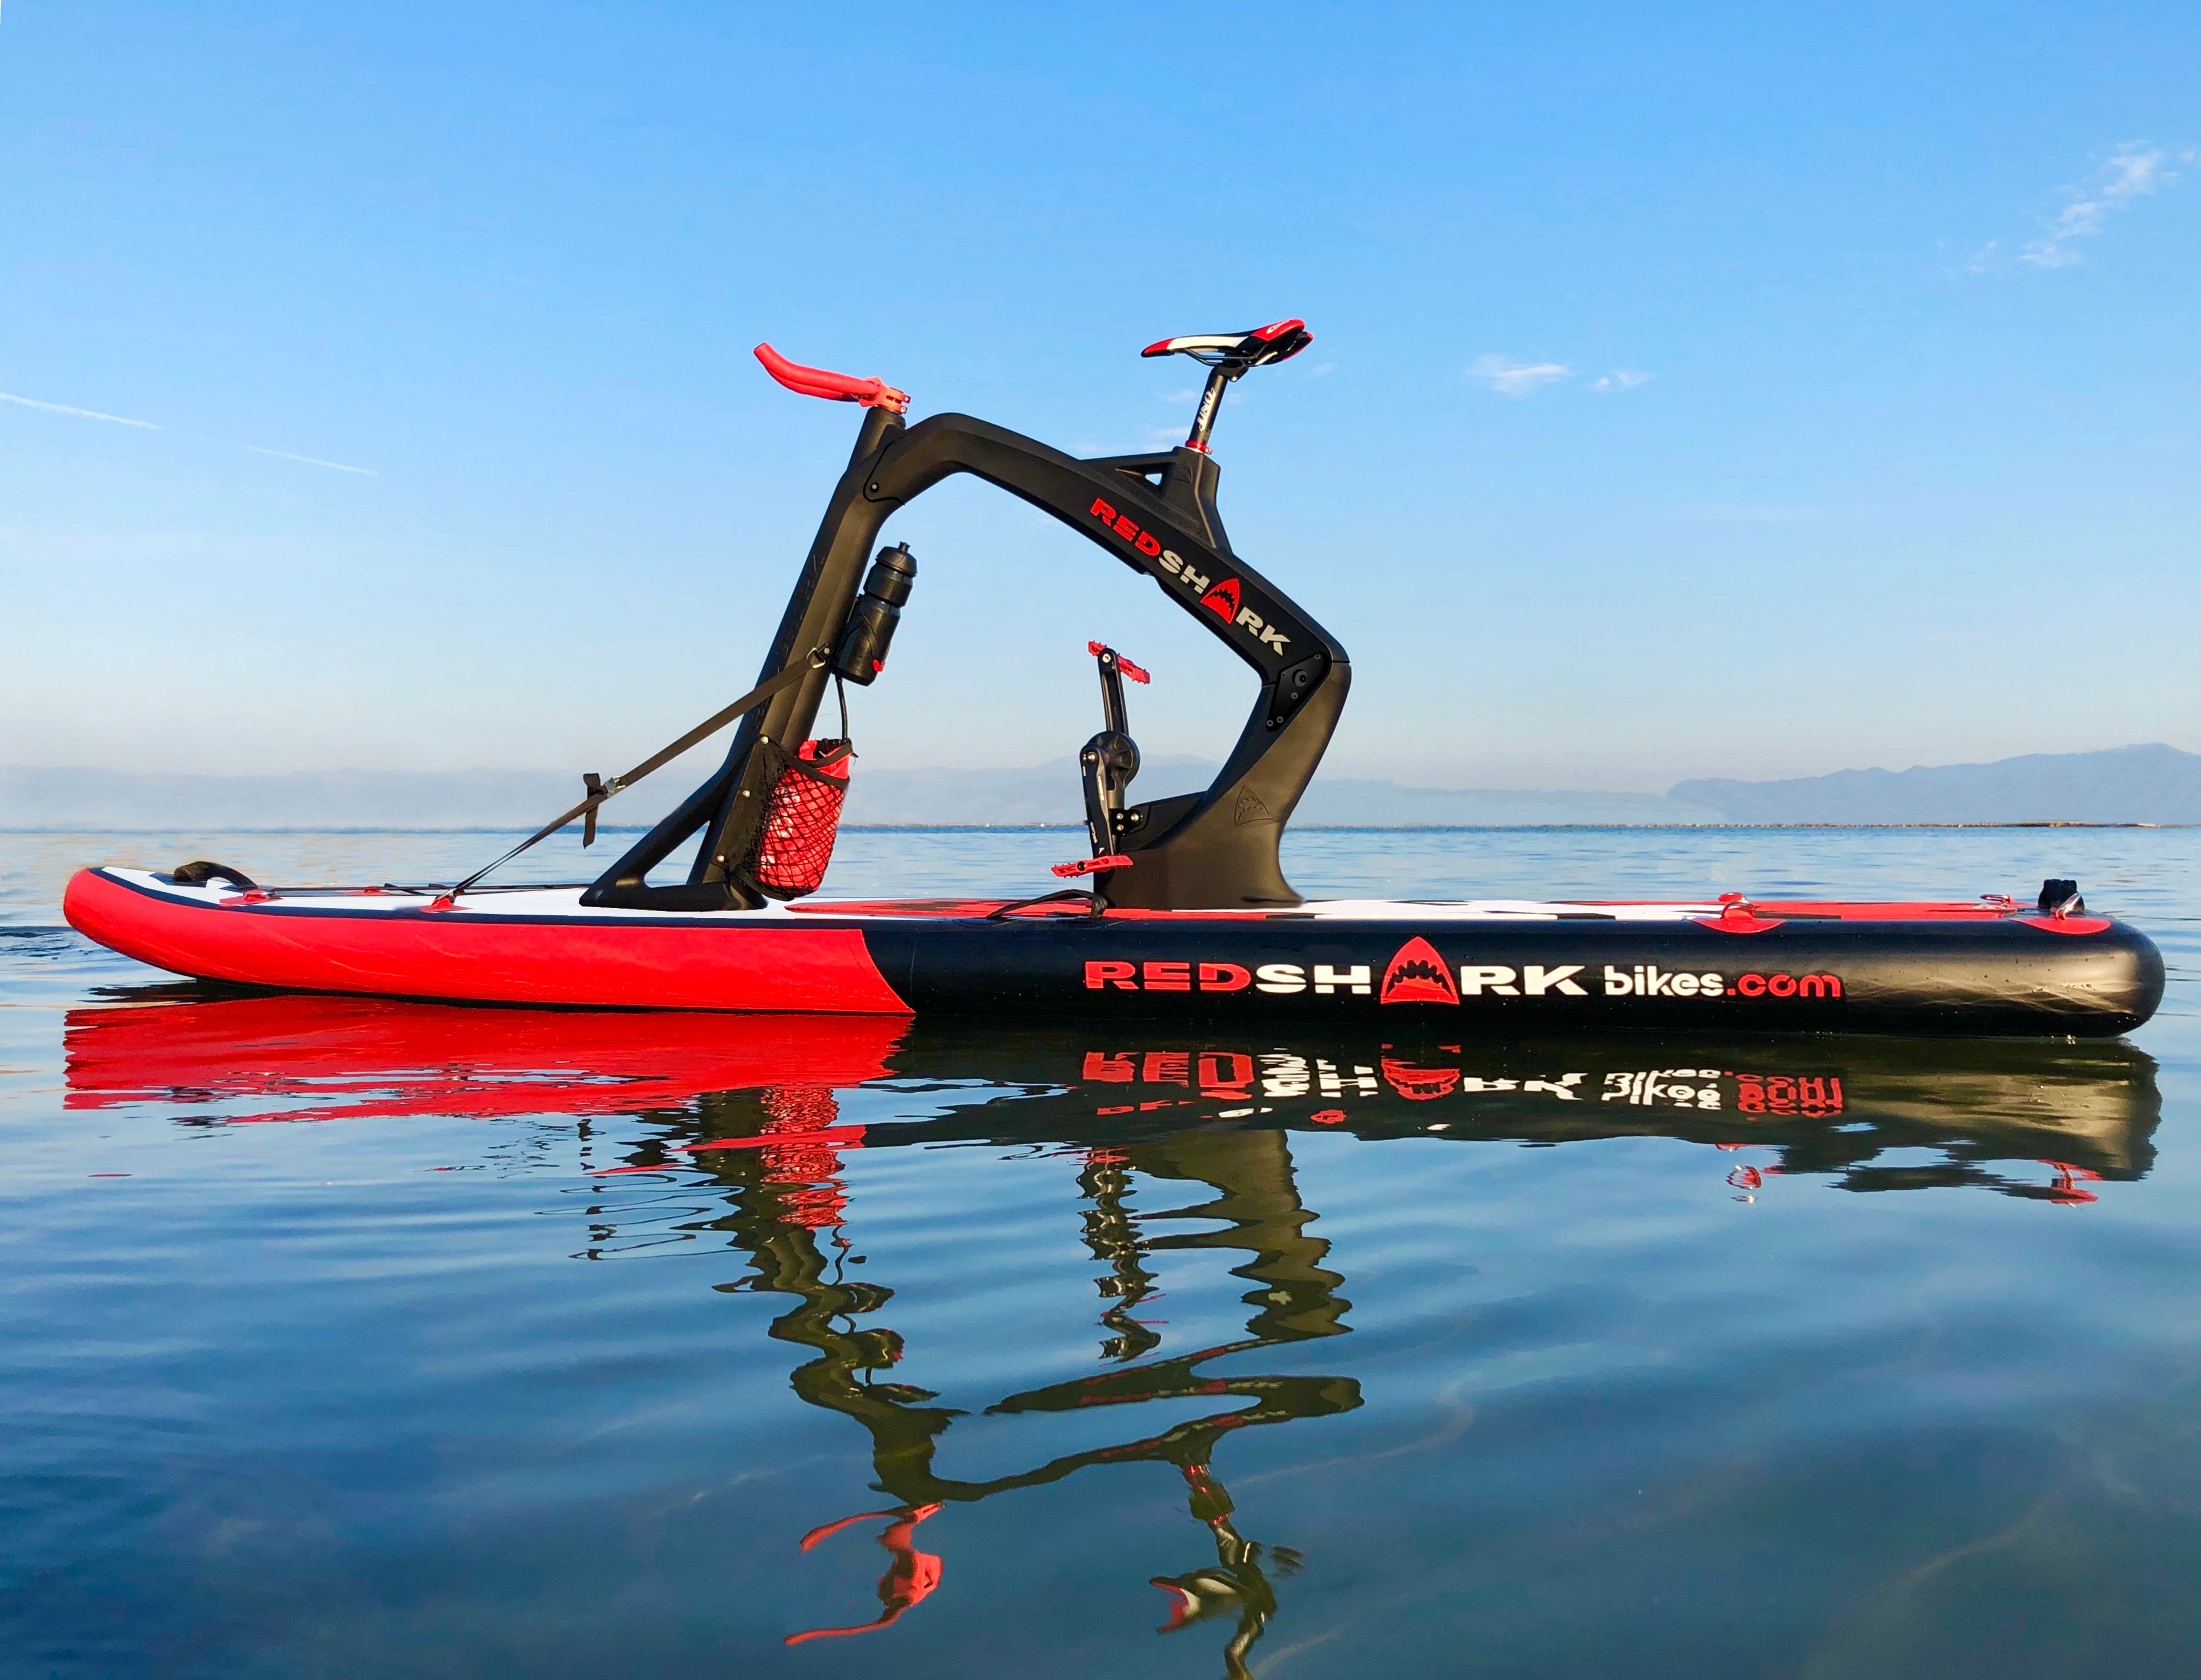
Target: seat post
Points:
x,y
1211,400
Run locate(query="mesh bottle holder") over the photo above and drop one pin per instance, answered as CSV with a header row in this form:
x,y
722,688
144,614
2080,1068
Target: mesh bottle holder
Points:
x,y
801,818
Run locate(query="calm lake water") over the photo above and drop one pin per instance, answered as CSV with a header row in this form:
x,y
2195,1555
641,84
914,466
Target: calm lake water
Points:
x,y
354,1338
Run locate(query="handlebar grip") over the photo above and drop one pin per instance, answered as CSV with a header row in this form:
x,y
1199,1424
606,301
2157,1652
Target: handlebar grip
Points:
x,y
833,387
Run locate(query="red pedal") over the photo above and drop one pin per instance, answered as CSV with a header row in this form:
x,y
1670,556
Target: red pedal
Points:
x,y
1136,673
1114,860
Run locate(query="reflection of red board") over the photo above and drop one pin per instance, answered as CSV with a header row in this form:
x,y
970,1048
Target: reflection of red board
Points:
x,y
377,1057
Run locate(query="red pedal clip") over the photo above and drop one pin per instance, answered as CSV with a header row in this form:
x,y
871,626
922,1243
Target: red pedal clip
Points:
x,y
1138,675
1114,860
834,387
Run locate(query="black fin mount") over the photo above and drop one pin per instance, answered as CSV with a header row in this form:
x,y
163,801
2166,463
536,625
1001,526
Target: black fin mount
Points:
x,y
198,874
2060,897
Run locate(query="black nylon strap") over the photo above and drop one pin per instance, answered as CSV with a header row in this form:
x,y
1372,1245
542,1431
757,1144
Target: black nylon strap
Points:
x,y
598,793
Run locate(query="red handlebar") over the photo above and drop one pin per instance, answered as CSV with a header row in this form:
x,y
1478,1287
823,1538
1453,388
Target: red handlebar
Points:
x,y
834,387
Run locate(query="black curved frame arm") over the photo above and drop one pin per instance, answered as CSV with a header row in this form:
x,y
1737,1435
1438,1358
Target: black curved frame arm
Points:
x,y
1156,514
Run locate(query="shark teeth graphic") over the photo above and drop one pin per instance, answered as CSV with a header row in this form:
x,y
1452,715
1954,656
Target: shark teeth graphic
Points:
x,y
1417,974
1420,1085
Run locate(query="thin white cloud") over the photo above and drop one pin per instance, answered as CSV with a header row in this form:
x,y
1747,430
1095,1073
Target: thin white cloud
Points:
x,y
312,460
148,425
80,413
2133,170
1509,377
1621,379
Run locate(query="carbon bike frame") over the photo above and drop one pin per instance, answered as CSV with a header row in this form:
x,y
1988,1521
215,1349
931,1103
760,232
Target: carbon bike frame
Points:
x,y
1156,514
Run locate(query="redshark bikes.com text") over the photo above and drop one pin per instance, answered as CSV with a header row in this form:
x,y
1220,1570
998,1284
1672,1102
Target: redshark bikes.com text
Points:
x,y
1420,978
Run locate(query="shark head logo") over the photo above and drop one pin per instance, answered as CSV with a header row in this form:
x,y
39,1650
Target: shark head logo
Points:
x,y
1223,601
1417,974
1420,1085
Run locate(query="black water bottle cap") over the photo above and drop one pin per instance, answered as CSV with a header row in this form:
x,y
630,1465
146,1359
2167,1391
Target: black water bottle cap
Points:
x,y
894,573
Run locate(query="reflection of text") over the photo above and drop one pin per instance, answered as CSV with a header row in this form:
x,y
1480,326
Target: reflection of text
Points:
x,y
1776,1094
1676,1087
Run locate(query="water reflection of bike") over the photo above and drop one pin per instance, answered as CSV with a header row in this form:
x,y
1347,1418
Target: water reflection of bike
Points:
x,y
774,1221
753,1103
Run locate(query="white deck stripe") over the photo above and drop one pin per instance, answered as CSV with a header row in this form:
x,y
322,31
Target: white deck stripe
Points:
x,y
563,904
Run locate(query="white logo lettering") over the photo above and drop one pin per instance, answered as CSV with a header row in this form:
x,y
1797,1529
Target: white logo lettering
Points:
x,y
1539,980
1473,978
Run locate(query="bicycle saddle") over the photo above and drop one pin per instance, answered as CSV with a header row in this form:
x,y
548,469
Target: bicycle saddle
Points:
x,y
1238,350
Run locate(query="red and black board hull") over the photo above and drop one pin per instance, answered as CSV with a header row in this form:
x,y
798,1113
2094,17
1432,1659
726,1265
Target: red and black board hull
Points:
x,y
2003,976
1957,970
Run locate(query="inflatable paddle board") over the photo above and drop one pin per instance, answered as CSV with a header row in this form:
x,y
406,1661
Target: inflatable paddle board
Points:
x,y
1986,968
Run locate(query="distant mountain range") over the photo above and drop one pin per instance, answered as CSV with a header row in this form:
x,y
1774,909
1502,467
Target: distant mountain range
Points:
x,y
2129,784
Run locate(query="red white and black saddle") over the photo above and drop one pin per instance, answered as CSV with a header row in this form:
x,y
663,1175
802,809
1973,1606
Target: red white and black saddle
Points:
x,y
1255,348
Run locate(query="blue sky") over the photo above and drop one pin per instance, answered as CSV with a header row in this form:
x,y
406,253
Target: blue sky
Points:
x,y
1697,390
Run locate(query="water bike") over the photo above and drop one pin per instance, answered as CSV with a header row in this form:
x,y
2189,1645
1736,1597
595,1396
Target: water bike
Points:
x,y
1184,912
